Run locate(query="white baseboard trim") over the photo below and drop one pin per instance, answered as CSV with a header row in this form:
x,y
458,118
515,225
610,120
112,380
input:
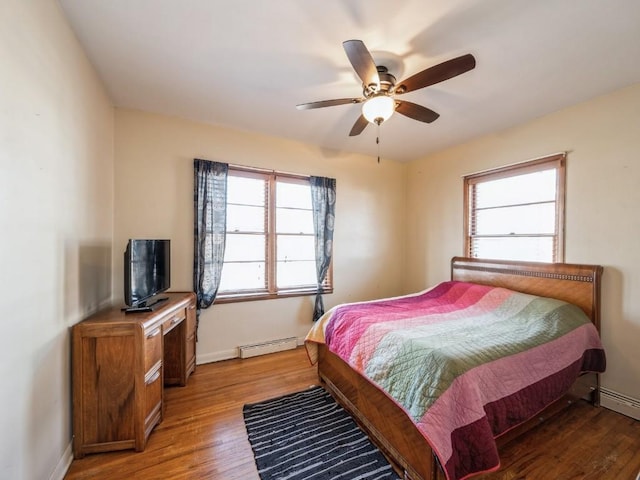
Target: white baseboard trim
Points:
x,y
64,464
620,403
202,358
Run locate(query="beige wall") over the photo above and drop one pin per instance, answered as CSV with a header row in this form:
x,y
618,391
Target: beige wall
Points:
x,y
56,208
61,251
602,220
154,198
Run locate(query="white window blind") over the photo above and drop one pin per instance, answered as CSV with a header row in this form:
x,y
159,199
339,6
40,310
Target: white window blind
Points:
x,y
517,212
245,255
295,247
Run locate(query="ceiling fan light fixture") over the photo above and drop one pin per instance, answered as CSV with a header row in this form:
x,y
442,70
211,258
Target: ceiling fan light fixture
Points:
x,y
378,109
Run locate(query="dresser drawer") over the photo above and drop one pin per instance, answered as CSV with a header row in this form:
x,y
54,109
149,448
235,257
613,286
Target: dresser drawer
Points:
x,y
152,347
173,320
152,399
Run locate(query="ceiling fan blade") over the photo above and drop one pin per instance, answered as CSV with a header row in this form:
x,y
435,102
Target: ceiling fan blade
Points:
x,y
417,112
359,126
328,103
362,62
437,73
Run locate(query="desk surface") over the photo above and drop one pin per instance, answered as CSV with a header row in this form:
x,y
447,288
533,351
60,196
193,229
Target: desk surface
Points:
x,y
114,314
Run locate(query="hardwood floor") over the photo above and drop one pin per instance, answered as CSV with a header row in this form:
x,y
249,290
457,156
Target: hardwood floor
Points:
x,y
203,435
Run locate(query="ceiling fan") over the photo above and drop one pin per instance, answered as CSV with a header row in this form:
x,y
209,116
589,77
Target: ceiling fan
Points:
x,y
379,87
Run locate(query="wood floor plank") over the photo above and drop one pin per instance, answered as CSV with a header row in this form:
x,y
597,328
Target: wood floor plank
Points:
x,y
203,436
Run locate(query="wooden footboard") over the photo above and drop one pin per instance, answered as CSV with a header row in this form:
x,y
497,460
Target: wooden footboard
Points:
x,y
388,425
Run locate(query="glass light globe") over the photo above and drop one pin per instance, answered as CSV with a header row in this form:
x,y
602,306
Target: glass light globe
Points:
x,y
378,109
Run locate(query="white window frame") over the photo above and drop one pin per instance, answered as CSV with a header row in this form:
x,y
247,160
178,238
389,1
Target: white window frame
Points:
x,y
557,161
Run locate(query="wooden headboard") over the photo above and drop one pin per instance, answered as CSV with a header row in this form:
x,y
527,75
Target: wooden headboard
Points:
x,y
577,284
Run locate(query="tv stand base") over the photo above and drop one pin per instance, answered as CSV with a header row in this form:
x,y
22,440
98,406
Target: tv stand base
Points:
x,y
146,307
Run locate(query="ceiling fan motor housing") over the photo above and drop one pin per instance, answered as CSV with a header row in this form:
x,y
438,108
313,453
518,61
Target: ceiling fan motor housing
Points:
x,y
387,82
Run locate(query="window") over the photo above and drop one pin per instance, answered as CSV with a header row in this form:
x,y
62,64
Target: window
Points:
x,y
517,212
270,246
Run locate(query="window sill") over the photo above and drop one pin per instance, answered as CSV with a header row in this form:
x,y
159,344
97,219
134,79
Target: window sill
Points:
x,y
253,296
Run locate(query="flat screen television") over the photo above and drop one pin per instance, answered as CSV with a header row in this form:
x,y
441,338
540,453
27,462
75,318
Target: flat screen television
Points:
x,y
147,272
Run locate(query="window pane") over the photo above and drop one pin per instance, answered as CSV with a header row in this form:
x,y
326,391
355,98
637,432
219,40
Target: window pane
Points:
x,y
242,276
242,218
296,247
519,189
536,249
243,247
296,274
246,191
526,219
294,221
297,195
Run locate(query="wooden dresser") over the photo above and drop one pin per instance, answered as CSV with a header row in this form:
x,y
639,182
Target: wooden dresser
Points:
x,y
120,363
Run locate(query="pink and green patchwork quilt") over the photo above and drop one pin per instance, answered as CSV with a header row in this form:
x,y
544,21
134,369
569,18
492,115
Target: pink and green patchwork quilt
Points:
x,y
466,362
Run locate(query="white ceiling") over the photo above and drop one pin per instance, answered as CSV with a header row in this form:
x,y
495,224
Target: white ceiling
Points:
x,y
246,63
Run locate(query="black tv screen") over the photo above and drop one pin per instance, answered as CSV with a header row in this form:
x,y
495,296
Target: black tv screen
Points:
x,y
147,270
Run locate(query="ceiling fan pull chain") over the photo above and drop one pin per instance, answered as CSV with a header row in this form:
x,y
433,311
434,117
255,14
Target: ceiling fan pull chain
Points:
x,y
378,139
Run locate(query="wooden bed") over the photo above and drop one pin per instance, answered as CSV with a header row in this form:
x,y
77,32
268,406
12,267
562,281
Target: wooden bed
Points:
x,y
393,431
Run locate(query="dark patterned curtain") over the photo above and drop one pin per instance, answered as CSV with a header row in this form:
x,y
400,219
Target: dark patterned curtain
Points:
x,y
323,201
210,225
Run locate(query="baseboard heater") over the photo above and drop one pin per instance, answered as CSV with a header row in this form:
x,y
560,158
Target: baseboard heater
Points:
x,y
619,402
272,346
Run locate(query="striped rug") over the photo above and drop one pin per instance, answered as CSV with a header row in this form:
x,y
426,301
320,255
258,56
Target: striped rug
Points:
x,y
308,436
